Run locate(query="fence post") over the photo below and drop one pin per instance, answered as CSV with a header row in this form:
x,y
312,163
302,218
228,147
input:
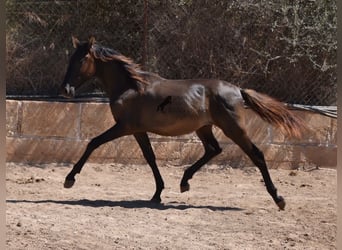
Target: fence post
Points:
x,y
144,59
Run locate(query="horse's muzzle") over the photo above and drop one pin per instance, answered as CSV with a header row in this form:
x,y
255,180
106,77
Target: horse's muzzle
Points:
x,y
67,91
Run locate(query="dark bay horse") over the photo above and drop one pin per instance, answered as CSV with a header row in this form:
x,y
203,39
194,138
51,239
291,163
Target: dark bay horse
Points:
x,y
144,102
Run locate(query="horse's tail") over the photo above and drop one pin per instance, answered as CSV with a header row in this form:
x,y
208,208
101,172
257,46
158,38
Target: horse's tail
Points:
x,y
274,112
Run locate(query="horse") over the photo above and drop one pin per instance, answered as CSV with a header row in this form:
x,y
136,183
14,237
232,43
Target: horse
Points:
x,y
143,102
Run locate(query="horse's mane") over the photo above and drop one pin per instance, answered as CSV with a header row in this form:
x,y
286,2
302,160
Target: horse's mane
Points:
x,y
132,69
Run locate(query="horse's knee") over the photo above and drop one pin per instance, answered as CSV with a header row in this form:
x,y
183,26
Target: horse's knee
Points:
x,y
213,150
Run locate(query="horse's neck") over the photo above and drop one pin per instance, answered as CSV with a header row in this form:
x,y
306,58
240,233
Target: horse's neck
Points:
x,y
115,83
116,89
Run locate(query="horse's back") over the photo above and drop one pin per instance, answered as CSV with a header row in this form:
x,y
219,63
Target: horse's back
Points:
x,y
171,87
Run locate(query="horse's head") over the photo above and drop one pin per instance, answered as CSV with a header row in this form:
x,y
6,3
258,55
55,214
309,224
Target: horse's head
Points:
x,y
81,67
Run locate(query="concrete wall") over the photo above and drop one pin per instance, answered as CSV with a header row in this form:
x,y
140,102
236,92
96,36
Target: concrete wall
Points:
x,y
45,132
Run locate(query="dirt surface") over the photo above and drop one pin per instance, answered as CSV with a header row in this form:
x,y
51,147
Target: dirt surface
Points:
x,y
226,208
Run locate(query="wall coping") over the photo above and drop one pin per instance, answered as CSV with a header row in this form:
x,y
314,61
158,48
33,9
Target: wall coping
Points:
x,y
40,131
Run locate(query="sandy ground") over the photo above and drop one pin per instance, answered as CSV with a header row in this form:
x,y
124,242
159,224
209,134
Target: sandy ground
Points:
x,y
226,208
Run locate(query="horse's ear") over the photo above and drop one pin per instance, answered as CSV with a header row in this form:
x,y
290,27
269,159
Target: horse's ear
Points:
x,y
91,41
75,42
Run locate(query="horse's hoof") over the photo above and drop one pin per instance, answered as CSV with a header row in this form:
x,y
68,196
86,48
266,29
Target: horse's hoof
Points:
x,y
281,203
184,188
69,183
156,200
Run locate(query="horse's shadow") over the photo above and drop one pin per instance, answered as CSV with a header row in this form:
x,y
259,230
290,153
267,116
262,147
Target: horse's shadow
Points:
x,y
128,204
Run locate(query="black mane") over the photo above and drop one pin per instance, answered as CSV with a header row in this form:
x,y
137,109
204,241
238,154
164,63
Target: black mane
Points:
x,y
132,69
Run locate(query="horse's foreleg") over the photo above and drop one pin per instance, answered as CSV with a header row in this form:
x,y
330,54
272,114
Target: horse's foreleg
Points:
x,y
145,145
114,132
212,148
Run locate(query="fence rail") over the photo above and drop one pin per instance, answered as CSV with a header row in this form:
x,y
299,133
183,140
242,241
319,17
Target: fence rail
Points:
x,y
282,49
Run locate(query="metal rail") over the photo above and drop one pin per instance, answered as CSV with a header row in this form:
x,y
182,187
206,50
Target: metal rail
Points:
x,y
330,111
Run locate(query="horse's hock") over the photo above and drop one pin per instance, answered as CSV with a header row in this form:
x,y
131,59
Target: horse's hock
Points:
x,y
58,132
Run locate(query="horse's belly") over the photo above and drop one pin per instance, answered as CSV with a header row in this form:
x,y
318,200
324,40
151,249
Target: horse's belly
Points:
x,y
179,126
176,115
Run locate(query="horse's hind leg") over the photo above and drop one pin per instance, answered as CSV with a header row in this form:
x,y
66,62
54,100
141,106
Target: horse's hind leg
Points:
x,y
238,135
211,147
258,159
145,145
225,117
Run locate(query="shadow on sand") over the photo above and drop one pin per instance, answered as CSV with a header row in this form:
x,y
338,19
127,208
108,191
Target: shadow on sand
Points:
x,y
127,204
